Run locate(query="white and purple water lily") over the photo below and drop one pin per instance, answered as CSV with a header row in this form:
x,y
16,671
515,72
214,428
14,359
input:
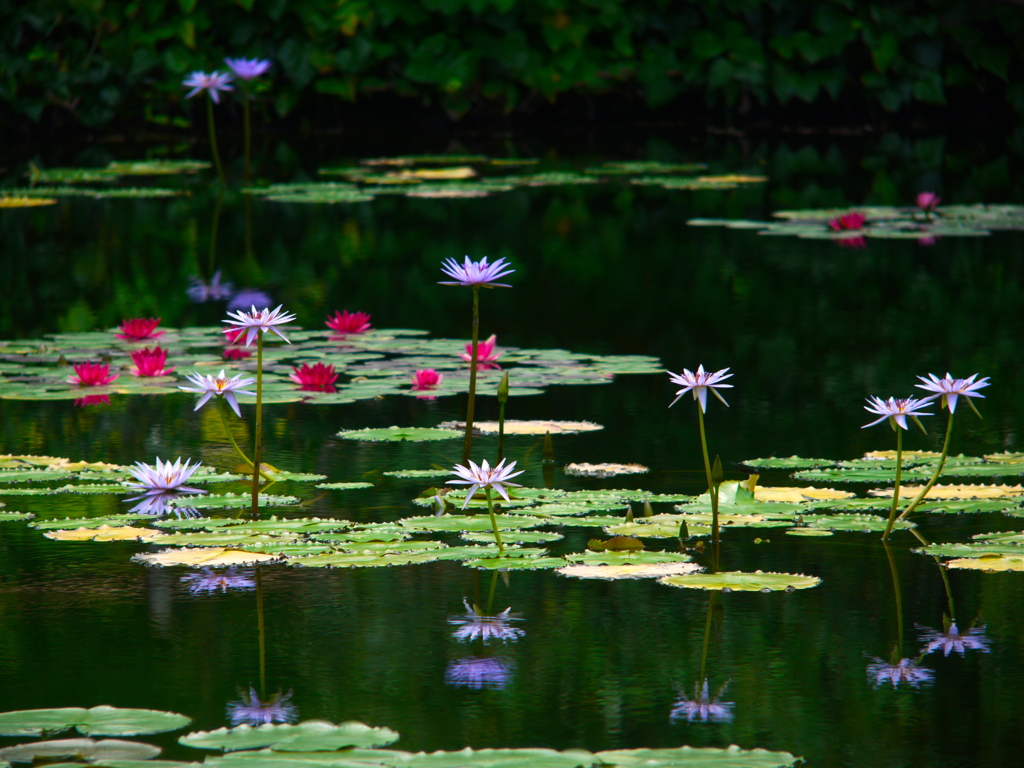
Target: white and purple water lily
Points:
x,y
703,708
213,83
948,389
477,673
219,385
256,320
903,671
250,710
896,410
159,482
953,640
474,625
699,383
484,476
247,69
476,273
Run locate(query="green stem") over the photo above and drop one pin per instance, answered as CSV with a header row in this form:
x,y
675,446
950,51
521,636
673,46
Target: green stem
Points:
x,y
215,229
213,140
467,444
247,134
258,437
707,637
227,428
896,489
262,634
494,521
712,488
501,431
899,597
935,475
490,594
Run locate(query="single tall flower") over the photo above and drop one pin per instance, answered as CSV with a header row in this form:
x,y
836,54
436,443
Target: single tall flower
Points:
x,y
212,83
165,477
953,640
702,707
426,379
219,385
150,362
346,322
486,354
476,273
903,671
896,410
947,389
699,383
91,375
318,377
257,320
483,476
247,69
139,329
474,625
249,710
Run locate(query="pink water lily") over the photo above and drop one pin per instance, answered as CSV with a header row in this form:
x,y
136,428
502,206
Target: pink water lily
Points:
x,y
476,273
896,410
150,362
346,322
483,476
848,221
427,378
699,383
91,375
948,389
928,201
486,353
318,377
139,329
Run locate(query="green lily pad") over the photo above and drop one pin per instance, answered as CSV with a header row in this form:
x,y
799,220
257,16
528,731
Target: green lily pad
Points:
x,y
32,475
793,462
1006,537
365,560
737,581
400,434
516,563
999,469
419,473
974,549
464,523
512,537
9,516
307,736
344,486
854,522
887,476
703,757
233,501
969,505
626,557
84,749
97,721
112,521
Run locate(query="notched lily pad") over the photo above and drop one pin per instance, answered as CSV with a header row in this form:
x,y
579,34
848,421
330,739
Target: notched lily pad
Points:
x,y
400,434
533,427
737,581
630,571
97,721
585,469
104,533
307,736
83,749
793,462
346,486
203,556
994,563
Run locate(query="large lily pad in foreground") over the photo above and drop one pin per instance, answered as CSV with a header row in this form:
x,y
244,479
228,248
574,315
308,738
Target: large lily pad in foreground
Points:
x,y
737,581
83,749
308,736
98,721
400,434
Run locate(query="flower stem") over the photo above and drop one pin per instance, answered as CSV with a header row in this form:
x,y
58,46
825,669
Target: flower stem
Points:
x,y
899,596
707,636
501,431
467,444
247,134
490,594
227,428
262,634
494,521
712,487
258,437
213,140
896,489
935,476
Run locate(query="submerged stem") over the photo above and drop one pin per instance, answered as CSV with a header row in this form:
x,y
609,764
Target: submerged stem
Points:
x,y
494,521
935,476
467,444
260,625
899,597
707,636
712,487
213,140
896,488
490,594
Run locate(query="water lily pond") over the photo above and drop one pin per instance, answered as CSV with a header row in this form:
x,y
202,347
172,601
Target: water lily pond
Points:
x,y
364,613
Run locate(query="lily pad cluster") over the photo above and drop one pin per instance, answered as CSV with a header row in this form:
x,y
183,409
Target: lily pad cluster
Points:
x,y
371,365
883,222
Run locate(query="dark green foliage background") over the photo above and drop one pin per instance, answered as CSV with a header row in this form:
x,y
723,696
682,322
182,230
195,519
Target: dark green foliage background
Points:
x,y
106,59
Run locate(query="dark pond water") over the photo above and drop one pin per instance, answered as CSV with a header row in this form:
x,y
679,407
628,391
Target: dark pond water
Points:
x,y
808,328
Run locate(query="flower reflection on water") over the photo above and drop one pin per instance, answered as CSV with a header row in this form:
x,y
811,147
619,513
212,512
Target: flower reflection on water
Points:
x,y
903,671
215,290
476,672
210,581
249,710
702,707
157,504
952,640
474,625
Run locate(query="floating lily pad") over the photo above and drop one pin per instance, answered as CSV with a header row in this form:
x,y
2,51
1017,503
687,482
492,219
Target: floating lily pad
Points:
x,y
365,560
604,470
853,522
513,537
736,581
84,749
690,757
975,549
233,501
104,533
1006,537
629,571
400,434
798,495
98,721
793,462
345,486
993,563
203,556
9,516
938,492
464,523
627,557
307,736
958,506
861,475
25,201
534,427
407,473
515,563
